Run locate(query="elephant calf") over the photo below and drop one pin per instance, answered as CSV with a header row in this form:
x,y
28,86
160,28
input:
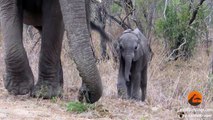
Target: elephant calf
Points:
x,y
134,52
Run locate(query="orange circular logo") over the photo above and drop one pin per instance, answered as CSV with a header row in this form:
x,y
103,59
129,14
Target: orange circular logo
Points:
x,y
194,98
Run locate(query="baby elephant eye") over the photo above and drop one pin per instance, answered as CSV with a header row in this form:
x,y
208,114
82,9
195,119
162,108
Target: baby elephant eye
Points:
x,y
121,47
136,47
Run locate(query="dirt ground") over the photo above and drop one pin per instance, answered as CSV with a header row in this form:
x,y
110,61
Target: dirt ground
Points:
x,y
168,86
109,107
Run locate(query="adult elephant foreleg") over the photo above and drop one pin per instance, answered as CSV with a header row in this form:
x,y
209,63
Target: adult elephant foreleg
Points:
x,y
50,81
76,23
19,77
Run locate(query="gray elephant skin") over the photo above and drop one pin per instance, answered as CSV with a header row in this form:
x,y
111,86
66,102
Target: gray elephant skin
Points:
x,y
50,17
133,53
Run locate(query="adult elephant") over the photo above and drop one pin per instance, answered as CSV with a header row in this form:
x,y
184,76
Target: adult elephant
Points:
x,y
49,17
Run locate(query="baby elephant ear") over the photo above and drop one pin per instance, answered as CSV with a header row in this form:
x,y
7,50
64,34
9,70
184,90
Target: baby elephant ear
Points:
x,y
117,46
139,34
127,31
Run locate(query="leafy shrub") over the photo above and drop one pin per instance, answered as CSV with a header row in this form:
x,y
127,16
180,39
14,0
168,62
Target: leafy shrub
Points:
x,y
115,8
175,28
78,107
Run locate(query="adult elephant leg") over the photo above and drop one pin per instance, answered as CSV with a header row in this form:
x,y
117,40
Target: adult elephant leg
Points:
x,y
19,78
50,82
77,24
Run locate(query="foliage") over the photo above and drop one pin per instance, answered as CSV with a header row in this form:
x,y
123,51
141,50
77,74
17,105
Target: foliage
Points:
x,y
78,107
175,28
143,13
54,99
115,8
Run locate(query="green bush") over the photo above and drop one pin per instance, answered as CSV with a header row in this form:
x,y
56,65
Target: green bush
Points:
x,y
115,8
175,28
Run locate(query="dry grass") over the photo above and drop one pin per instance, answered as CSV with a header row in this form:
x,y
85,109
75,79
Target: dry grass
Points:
x,y
168,87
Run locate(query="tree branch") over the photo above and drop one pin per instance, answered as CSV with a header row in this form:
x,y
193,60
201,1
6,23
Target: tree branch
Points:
x,y
164,11
128,15
122,24
118,3
194,14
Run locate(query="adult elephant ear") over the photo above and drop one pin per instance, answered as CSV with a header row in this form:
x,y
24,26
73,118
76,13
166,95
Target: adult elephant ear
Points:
x,y
75,19
127,31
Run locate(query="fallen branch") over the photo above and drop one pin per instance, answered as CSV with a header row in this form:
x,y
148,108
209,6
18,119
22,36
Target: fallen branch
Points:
x,y
169,57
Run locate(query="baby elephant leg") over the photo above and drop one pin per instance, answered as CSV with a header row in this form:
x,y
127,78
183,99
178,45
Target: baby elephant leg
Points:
x,y
129,88
135,79
121,84
143,83
122,88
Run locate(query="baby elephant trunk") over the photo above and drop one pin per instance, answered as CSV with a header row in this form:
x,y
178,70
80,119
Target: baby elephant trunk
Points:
x,y
128,64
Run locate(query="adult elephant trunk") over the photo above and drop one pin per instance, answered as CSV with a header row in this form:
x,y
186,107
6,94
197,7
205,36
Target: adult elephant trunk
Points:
x,y
128,64
75,18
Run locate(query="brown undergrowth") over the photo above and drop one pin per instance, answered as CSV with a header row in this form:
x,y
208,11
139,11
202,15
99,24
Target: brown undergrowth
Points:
x,y
168,86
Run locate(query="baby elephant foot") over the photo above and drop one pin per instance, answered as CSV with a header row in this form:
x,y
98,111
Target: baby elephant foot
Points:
x,y
137,98
19,84
122,93
47,90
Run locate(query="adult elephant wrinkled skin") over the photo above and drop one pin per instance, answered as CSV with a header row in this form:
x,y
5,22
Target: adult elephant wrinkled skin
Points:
x,y
134,54
50,17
